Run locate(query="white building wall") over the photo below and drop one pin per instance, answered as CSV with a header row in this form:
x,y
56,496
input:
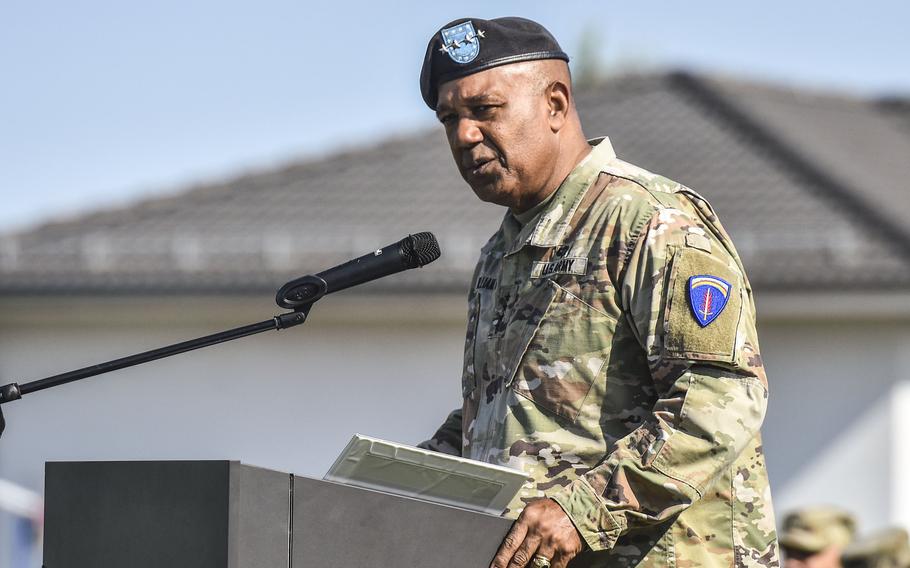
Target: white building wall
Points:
x,y
900,440
830,430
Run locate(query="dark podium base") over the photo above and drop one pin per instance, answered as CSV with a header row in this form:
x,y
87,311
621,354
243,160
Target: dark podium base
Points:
x,y
221,514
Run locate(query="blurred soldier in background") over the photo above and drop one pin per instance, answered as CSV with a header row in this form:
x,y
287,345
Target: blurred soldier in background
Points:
x,y
815,537
886,549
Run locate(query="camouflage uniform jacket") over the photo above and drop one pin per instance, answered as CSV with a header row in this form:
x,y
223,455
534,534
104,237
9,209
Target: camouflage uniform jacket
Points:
x,y
585,366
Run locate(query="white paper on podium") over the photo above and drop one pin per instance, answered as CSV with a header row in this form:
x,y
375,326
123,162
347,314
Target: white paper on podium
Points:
x,y
422,474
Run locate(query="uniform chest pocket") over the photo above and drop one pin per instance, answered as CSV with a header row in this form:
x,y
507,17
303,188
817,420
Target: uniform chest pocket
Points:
x,y
564,353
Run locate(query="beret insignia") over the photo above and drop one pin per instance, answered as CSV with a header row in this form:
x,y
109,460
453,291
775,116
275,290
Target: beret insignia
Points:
x,y
461,42
455,50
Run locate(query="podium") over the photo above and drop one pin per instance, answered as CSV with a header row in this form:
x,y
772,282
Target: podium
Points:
x,y
224,514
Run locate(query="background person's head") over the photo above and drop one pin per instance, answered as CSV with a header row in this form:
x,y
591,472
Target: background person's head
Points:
x,y
815,537
889,548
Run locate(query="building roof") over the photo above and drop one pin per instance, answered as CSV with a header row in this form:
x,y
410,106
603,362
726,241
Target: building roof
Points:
x,y
812,187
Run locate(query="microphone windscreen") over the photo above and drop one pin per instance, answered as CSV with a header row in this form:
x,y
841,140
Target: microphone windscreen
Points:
x,y
420,249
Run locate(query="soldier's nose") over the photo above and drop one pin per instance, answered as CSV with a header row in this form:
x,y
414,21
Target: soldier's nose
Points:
x,y
468,134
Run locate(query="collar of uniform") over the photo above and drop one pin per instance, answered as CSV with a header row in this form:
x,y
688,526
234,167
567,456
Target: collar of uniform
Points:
x,y
552,223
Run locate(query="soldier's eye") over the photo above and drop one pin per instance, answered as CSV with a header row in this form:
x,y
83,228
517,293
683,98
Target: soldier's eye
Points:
x,y
447,119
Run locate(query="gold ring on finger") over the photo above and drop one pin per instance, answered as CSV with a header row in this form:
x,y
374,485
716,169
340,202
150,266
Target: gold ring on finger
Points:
x,y
540,561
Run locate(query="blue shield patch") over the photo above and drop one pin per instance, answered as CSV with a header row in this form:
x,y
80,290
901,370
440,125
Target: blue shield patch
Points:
x,y
461,42
708,297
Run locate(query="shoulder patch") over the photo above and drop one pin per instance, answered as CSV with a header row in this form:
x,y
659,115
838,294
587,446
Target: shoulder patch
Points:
x,y
703,307
708,297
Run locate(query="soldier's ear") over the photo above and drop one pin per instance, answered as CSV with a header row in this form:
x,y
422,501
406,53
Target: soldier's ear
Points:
x,y
558,104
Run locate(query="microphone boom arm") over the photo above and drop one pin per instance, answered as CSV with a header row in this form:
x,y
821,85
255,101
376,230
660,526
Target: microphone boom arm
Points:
x,y
14,391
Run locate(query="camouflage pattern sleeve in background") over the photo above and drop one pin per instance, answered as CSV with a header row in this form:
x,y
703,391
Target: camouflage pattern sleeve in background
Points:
x,y
447,439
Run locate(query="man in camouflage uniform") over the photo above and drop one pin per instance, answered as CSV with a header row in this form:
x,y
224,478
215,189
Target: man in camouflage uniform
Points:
x,y
815,537
889,548
611,350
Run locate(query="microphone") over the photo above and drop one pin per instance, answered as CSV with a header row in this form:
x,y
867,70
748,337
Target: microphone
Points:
x,y
412,251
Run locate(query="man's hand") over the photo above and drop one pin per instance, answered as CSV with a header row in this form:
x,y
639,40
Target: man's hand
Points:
x,y
542,529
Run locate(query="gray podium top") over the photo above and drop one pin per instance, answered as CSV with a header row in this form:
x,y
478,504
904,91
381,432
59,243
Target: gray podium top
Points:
x,y
223,514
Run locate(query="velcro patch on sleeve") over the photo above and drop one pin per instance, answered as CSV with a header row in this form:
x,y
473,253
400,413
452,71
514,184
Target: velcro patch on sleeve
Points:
x,y
703,308
701,242
577,265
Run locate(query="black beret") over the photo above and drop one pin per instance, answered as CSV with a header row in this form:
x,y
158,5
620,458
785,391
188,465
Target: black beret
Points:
x,y
469,45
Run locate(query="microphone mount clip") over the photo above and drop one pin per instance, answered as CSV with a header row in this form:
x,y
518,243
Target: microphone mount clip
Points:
x,y
301,293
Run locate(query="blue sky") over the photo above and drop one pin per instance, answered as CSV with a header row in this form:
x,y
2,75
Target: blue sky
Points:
x,y
106,102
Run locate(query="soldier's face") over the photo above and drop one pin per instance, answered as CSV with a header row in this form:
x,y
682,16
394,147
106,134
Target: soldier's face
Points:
x,y
496,122
827,558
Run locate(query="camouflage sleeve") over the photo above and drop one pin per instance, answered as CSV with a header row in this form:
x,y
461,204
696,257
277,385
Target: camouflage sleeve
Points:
x,y
711,389
447,439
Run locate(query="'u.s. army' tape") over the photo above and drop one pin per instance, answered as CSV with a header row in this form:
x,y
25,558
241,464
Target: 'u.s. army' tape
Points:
x,y
577,265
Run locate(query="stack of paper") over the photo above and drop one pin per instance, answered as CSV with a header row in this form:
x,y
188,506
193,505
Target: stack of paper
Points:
x,y
422,474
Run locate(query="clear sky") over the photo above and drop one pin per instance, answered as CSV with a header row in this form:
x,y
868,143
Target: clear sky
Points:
x,y
105,101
